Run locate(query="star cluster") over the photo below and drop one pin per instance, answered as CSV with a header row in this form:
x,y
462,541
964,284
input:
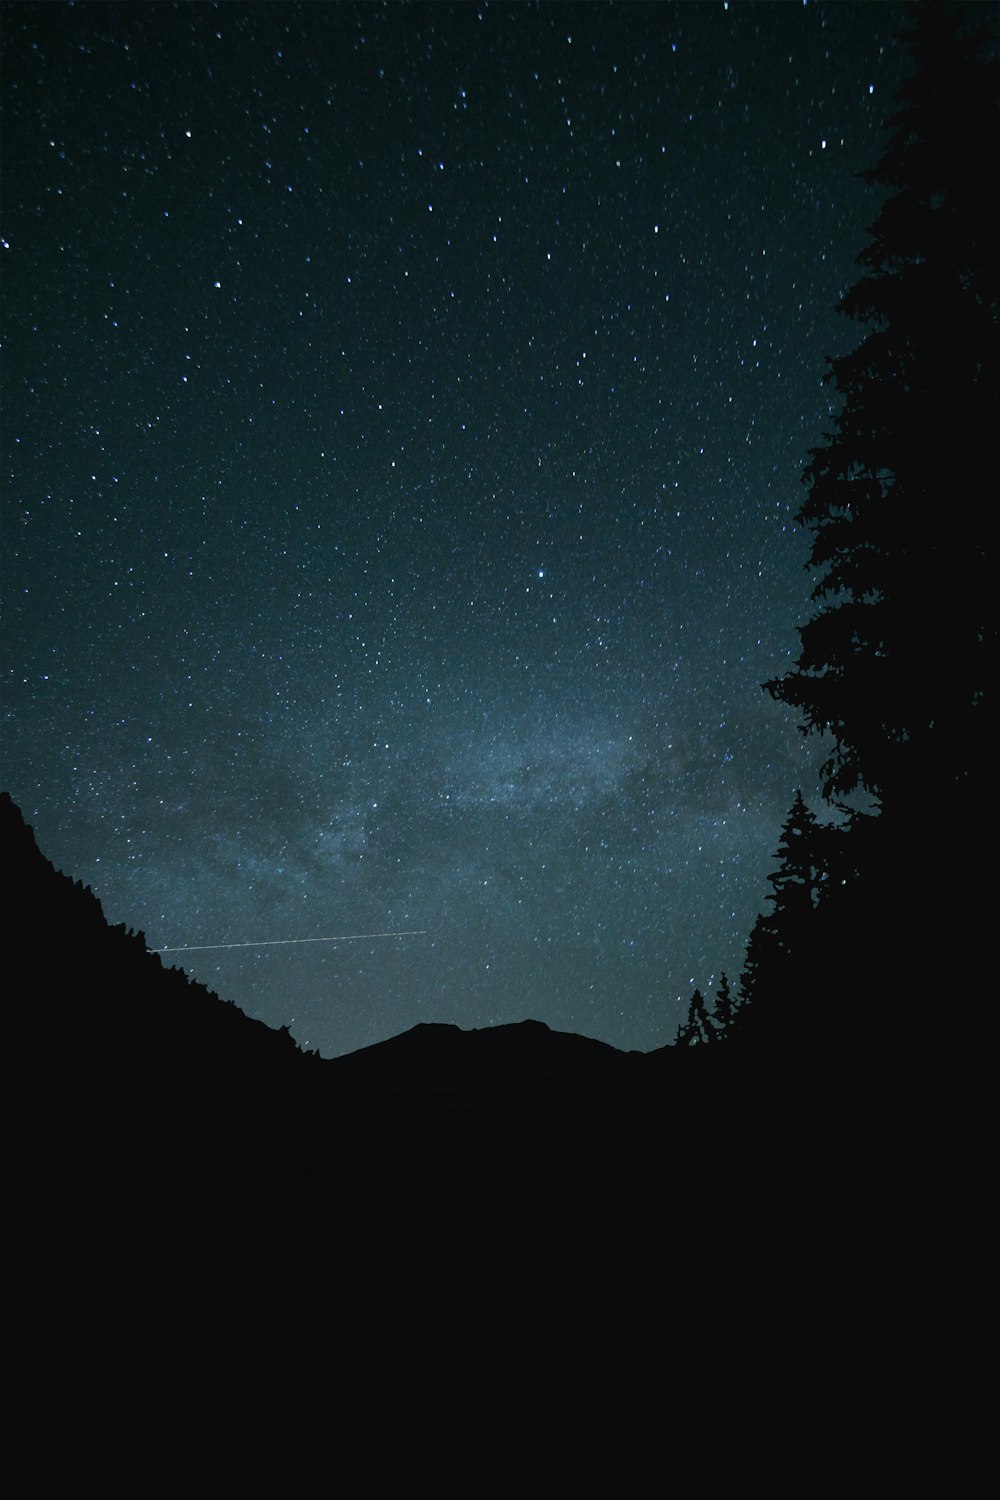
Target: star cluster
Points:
x,y
404,410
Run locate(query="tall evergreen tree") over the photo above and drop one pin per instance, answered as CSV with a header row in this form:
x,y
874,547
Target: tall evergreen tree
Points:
x,y
894,664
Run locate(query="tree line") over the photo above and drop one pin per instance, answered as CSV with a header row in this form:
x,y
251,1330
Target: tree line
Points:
x,y
878,907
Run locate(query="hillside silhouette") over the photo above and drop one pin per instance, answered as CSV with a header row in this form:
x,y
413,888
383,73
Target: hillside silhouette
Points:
x,y
130,1032
108,999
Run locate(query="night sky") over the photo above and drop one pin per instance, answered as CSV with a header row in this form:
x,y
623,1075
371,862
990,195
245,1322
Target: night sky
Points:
x,y
403,415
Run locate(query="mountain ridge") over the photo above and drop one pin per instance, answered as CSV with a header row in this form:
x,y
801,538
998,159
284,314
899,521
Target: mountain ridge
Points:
x,y
133,1027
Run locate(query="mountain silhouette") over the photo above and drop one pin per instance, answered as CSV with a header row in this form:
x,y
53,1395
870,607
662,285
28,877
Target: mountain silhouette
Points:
x,y
443,1068
131,1038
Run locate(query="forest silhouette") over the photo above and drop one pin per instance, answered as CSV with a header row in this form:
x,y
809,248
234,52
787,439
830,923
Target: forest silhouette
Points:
x,y
878,897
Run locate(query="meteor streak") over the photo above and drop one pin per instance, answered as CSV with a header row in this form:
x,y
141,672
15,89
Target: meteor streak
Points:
x,y
347,937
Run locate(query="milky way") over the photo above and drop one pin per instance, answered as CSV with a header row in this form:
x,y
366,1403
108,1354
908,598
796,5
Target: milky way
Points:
x,y
403,419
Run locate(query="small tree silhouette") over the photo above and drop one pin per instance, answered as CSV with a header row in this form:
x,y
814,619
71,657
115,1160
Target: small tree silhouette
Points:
x,y
782,952
725,1010
697,1030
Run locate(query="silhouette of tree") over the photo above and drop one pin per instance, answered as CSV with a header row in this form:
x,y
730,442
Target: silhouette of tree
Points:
x,y
893,666
779,973
798,880
697,1030
725,1009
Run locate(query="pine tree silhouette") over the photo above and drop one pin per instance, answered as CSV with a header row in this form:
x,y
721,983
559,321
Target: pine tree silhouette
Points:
x,y
726,1006
779,980
697,1030
894,665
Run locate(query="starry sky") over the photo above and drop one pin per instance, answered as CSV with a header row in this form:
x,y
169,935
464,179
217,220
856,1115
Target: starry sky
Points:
x,y
403,413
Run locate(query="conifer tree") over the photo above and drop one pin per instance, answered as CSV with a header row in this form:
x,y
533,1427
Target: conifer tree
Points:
x,y
894,665
697,1030
780,980
725,1009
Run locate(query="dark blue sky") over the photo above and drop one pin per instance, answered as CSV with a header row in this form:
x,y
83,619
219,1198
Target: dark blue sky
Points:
x,y
404,410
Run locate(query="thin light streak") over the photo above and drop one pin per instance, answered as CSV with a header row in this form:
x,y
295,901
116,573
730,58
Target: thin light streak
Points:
x,y
347,937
